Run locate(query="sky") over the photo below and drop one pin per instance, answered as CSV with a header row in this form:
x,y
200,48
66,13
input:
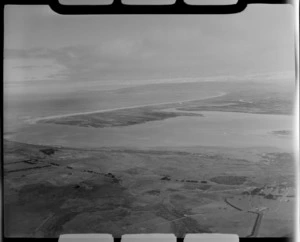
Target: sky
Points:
x,y
42,46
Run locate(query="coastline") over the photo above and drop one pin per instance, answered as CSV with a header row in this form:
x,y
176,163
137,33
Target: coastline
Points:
x,y
35,120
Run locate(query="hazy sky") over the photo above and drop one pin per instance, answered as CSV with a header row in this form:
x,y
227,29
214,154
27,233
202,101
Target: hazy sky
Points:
x,y
42,45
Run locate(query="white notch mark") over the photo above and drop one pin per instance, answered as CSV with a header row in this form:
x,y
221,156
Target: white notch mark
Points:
x,y
85,2
211,2
148,2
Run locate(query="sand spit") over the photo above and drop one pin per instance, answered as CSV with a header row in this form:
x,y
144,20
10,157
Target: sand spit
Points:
x,y
35,120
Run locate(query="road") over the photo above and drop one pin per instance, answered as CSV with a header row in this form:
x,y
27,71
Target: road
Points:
x,y
257,222
230,204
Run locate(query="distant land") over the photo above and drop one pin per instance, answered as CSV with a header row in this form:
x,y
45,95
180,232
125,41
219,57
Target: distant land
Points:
x,y
244,101
260,103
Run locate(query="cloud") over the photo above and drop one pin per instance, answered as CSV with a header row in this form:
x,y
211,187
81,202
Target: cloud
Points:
x,y
22,53
71,59
82,60
24,65
32,67
179,50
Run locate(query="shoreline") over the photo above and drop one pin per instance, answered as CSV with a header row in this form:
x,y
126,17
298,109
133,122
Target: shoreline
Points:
x,y
181,149
35,120
11,137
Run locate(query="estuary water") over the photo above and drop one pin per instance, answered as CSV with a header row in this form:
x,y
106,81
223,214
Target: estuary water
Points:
x,y
228,129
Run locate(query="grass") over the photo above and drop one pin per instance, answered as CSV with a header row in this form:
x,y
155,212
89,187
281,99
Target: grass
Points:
x,y
117,118
113,188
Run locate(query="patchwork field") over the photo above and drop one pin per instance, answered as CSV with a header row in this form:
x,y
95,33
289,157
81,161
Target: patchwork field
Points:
x,y
190,190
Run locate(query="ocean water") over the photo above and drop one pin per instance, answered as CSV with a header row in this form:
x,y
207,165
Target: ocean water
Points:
x,y
23,102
